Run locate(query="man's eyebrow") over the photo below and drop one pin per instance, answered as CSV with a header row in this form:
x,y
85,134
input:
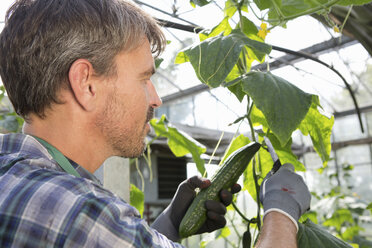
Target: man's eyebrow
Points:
x,y
148,72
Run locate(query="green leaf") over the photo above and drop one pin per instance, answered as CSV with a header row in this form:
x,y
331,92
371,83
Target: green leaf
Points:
x,y
244,6
223,27
283,104
179,142
181,58
320,129
285,153
339,217
348,167
223,233
266,4
198,2
230,8
258,118
311,215
369,207
291,7
311,235
137,198
203,244
237,90
158,61
351,231
353,2
236,87
249,29
215,57
238,120
235,144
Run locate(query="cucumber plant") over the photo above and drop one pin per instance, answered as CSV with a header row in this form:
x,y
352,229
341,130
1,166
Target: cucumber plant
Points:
x,y
223,58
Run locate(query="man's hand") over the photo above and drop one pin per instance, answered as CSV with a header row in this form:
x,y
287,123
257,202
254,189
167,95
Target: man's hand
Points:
x,y
169,221
285,192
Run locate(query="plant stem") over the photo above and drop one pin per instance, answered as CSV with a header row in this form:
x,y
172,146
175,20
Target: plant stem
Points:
x,y
240,213
240,17
259,165
152,140
250,106
230,243
141,176
255,236
235,230
254,13
346,18
148,161
233,225
257,193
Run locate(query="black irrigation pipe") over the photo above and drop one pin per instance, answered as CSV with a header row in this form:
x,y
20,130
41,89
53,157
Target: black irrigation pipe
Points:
x,y
188,28
194,29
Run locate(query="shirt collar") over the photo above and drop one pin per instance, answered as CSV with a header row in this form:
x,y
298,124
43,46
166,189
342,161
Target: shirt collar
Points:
x,y
83,172
24,145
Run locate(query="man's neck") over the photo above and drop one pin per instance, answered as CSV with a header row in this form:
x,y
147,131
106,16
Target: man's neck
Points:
x,y
71,138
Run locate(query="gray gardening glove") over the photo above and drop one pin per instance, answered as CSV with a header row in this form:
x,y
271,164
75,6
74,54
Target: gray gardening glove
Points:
x,y
169,220
285,192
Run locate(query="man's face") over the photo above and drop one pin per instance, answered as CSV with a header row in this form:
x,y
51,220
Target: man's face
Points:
x,y
130,101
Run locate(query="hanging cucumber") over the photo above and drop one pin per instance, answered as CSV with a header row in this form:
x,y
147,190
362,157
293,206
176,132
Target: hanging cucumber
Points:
x,y
225,177
247,238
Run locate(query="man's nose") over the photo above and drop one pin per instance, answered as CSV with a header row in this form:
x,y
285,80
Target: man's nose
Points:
x,y
155,100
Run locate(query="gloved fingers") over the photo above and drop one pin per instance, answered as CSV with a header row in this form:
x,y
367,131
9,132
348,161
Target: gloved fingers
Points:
x,y
236,188
215,206
198,182
212,223
215,221
227,196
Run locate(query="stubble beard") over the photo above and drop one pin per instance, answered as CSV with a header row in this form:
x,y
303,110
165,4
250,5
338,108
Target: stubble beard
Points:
x,y
123,141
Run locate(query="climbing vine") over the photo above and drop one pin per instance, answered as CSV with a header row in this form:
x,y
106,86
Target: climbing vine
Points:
x,y
275,107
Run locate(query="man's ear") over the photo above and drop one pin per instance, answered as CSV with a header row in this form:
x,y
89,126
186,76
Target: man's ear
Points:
x,y
83,83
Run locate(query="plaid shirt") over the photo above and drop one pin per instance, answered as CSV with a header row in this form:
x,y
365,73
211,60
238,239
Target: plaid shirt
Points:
x,y
43,206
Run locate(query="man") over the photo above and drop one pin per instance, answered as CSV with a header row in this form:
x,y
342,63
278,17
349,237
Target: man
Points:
x,y
78,72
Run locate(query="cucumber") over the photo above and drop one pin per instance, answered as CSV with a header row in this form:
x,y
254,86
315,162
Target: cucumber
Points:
x,y
224,178
247,238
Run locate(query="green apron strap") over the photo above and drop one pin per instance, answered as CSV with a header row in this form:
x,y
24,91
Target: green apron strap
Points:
x,y
59,157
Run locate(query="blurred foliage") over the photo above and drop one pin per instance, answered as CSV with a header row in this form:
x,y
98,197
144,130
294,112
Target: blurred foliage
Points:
x,y
137,198
339,209
9,120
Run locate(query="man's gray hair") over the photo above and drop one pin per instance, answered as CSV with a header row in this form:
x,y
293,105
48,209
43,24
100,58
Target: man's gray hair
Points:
x,y
42,38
